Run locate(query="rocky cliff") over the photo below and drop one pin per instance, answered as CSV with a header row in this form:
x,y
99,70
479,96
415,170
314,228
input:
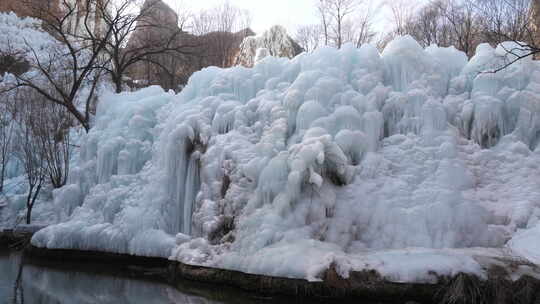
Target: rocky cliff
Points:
x,y
221,49
535,21
31,8
159,25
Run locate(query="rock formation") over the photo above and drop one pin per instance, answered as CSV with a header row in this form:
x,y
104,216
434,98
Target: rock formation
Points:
x,y
159,25
50,10
535,21
158,21
31,8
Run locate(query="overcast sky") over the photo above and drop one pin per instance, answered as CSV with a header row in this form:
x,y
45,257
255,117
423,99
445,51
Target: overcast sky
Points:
x,y
265,13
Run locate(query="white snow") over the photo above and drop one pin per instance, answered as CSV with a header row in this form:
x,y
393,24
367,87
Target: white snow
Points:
x,y
526,244
273,42
21,37
413,163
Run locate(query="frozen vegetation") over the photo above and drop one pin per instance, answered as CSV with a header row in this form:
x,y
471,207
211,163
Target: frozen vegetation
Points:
x,y
412,162
23,40
273,42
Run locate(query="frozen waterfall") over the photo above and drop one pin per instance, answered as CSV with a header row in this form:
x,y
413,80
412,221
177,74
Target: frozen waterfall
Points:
x,y
325,158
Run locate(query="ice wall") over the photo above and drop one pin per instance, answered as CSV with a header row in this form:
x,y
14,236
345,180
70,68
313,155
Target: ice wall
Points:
x,y
271,169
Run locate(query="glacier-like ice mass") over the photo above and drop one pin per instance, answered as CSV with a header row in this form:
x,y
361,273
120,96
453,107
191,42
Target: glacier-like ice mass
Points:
x,y
345,157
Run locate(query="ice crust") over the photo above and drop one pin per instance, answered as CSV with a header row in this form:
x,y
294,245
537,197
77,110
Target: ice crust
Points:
x,y
346,157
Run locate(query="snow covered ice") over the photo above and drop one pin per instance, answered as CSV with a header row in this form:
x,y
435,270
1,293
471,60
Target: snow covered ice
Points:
x,y
345,157
272,42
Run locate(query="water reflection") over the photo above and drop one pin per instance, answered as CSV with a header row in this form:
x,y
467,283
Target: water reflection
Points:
x,y
26,281
22,282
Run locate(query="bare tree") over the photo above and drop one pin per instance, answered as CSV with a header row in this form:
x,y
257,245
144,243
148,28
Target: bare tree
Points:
x,y
202,23
466,23
402,12
345,21
184,14
29,149
463,23
222,28
510,20
334,14
140,34
7,127
68,62
309,36
229,18
42,142
505,20
325,20
363,22
51,126
441,22
428,27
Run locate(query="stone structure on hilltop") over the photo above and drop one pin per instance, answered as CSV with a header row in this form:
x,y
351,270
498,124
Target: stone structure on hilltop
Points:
x,y
190,53
273,42
160,26
158,21
222,48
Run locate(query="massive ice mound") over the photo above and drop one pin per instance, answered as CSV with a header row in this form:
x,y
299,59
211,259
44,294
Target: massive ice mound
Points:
x,y
292,165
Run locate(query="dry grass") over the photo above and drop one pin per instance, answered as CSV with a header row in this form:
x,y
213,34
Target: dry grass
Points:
x,y
463,289
469,289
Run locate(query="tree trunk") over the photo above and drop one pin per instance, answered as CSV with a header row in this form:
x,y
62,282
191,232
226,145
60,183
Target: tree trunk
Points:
x,y
340,39
118,84
325,29
2,176
29,214
31,200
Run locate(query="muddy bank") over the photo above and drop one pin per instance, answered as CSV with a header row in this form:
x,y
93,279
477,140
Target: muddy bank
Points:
x,y
369,285
13,238
365,285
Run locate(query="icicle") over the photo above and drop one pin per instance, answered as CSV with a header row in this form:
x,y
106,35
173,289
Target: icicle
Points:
x,y
373,128
488,122
191,189
176,166
107,159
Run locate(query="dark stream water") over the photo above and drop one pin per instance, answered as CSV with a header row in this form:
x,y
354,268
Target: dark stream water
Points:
x,y
24,281
33,282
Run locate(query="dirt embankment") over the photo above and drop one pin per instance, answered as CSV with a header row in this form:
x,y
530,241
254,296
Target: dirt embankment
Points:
x,y
365,285
15,238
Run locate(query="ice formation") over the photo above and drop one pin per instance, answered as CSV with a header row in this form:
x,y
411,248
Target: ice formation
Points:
x,y
346,157
273,42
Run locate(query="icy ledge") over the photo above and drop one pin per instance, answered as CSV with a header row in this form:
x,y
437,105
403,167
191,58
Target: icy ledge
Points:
x,y
403,162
